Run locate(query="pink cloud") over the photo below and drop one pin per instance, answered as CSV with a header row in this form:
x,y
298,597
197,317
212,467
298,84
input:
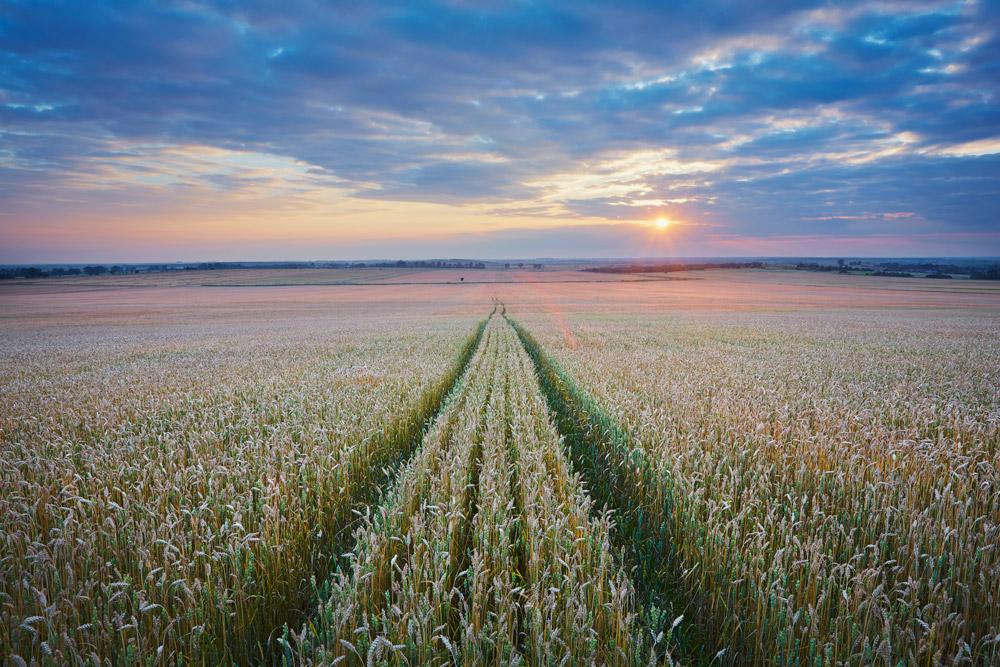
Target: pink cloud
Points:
x,y
870,216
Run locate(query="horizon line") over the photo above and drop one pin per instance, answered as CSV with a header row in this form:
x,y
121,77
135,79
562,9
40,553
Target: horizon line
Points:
x,y
560,260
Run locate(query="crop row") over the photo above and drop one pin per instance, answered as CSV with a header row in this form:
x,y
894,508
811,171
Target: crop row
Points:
x,y
801,490
484,552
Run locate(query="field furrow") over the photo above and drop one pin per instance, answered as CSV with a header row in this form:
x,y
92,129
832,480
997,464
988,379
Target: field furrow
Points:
x,y
770,488
401,583
617,476
188,524
491,626
485,552
579,603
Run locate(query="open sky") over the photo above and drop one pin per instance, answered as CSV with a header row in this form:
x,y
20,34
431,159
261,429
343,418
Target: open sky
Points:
x,y
229,130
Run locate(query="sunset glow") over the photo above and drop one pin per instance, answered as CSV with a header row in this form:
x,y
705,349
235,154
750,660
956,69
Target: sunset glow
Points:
x,y
214,131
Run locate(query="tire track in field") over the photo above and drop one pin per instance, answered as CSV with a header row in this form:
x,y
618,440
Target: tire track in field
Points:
x,y
517,536
614,471
485,552
448,443
379,470
408,439
414,544
578,601
409,435
461,546
399,556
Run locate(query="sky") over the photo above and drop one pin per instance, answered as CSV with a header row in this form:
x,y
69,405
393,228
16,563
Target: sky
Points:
x,y
250,130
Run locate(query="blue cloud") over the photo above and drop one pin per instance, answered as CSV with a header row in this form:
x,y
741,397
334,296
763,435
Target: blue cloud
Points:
x,y
797,105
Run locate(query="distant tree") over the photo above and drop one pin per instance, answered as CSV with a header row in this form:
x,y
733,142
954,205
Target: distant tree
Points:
x,y
506,266
462,280
988,273
95,270
520,265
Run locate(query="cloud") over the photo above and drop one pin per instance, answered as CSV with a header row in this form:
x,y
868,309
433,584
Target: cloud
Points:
x,y
989,146
756,119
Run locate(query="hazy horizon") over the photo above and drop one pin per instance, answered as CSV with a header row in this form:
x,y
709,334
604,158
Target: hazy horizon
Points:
x,y
555,261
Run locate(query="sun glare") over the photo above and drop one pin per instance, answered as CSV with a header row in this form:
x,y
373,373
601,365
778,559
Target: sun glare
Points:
x,y
662,223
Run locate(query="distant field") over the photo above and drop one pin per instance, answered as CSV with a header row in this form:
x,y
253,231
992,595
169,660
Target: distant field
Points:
x,y
393,468
516,276
726,280
223,277
293,277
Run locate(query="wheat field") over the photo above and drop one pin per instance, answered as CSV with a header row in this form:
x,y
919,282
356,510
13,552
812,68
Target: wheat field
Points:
x,y
508,475
809,489
173,499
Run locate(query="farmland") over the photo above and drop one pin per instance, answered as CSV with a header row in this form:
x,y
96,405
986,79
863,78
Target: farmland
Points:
x,y
745,468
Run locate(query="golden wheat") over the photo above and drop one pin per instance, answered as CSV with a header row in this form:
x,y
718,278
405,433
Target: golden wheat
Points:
x,y
825,485
170,495
485,552
787,488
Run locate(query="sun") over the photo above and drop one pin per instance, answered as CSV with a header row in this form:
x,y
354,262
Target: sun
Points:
x,y
662,223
